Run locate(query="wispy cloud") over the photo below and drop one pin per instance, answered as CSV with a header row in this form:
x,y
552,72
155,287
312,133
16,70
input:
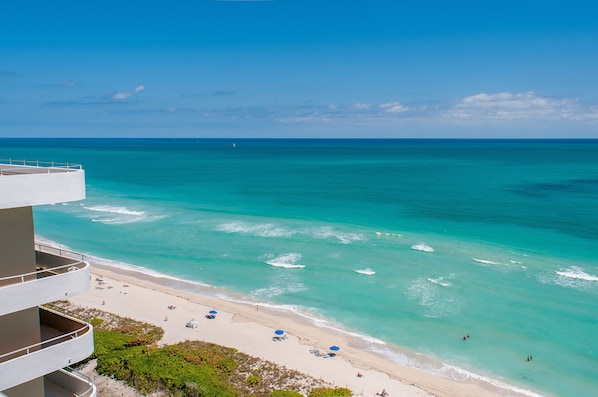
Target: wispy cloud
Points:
x,y
513,106
361,106
394,107
69,83
128,94
492,109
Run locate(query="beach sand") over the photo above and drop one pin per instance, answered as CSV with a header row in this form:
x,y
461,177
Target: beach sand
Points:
x,y
250,329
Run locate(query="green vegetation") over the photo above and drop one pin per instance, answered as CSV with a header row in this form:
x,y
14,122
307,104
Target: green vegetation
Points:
x,y
285,393
328,392
127,350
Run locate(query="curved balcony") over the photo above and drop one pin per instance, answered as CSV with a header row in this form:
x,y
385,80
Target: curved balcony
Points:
x,y
60,274
68,383
25,183
64,340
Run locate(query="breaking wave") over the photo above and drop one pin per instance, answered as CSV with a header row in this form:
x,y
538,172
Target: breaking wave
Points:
x,y
273,230
367,271
114,215
576,273
486,262
287,261
422,247
260,230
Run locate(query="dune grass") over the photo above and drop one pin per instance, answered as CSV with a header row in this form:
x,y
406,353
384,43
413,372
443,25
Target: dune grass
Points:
x,y
127,350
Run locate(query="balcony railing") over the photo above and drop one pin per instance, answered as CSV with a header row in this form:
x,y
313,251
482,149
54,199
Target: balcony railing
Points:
x,y
17,167
59,275
65,340
52,322
41,273
67,382
44,270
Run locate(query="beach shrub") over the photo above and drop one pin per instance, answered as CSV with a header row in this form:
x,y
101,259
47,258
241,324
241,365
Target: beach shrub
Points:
x,y
126,350
285,393
253,380
330,392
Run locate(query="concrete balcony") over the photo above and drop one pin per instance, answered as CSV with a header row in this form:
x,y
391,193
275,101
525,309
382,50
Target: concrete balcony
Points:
x,y
60,274
64,340
68,383
26,183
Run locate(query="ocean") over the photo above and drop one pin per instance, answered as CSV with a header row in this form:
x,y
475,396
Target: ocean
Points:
x,y
409,245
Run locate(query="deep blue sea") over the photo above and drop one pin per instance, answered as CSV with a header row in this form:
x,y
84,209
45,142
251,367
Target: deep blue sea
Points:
x,y
411,243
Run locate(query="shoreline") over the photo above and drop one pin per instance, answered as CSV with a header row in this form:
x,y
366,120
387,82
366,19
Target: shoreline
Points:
x,y
249,328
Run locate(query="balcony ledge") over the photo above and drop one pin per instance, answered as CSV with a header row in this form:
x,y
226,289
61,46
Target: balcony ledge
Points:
x,y
70,341
60,276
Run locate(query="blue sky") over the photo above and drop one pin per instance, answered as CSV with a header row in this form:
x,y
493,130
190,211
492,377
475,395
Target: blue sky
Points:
x,y
291,68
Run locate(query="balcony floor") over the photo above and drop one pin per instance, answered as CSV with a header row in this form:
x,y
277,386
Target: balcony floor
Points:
x,y
53,390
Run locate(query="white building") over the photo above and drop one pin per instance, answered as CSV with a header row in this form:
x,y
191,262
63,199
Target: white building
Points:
x,y
36,342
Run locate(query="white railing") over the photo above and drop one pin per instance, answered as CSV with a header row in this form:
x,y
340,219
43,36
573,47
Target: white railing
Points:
x,y
68,371
58,251
69,267
35,166
23,351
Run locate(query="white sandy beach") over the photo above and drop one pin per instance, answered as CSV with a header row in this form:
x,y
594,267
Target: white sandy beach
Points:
x,y
250,329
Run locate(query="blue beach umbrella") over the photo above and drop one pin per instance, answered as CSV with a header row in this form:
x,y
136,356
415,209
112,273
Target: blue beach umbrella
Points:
x,y
279,332
334,348
213,312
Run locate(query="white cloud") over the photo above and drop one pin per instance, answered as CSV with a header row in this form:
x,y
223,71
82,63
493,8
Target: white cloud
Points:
x,y
128,94
506,105
394,107
361,106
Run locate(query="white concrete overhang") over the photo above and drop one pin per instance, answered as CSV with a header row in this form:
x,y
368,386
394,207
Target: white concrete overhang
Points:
x,y
31,185
59,276
65,340
68,383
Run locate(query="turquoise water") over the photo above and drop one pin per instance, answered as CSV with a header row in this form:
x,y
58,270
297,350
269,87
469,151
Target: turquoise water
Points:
x,y
495,239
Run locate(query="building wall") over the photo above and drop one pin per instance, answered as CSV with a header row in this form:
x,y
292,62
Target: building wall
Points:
x,y
28,389
17,256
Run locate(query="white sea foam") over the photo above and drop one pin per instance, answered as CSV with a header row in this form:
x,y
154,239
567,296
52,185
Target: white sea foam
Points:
x,y
272,291
575,272
114,210
387,234
572,277
287,261
327,232
260,230
445,370
273,230
440,281
367,271
114,215
486,262
422,247
435,300
457,373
